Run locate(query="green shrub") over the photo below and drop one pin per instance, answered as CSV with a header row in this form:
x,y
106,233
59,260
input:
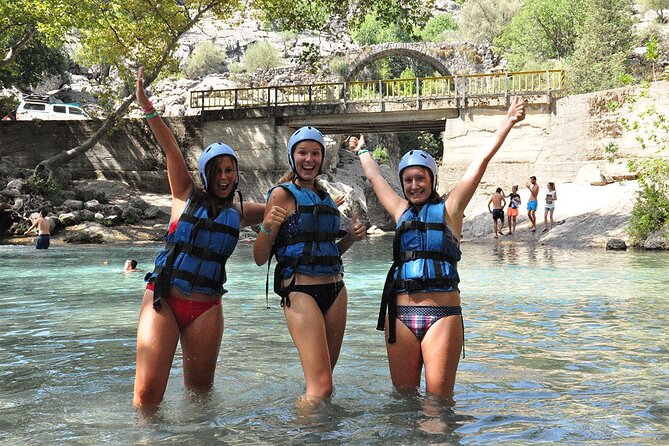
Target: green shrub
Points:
x,y
261,55
51,189
651,208
380,154
437,28
338,66
207,58
372,31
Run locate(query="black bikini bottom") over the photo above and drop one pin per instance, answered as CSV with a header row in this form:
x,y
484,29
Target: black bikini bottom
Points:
x,y
324,294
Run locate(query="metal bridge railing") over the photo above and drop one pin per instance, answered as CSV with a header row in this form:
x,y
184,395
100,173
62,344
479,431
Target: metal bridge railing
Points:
x,y
395,90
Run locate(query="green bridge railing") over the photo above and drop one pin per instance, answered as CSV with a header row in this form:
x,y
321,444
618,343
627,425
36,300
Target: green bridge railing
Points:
x,y
446,87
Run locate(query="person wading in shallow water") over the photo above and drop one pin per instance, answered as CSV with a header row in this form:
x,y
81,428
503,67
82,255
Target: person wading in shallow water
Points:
x,y
182,301
300,228
43,231
423,324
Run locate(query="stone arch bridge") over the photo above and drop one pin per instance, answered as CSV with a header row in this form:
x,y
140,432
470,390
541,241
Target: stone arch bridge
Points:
x,y
445,58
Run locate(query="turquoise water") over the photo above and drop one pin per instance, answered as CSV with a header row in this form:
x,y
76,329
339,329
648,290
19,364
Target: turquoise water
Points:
x,y
563,347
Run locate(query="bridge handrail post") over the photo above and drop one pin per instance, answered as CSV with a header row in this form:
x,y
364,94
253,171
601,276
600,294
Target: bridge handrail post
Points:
x,y
234,106
309,89
507,76
202,102
548,82
344,91
380,91
417,92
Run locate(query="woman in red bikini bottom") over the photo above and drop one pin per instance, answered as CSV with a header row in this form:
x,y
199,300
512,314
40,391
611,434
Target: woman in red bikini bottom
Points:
x,y
182,301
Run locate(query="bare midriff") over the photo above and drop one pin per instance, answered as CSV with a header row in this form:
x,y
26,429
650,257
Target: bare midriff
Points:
x,y
432,298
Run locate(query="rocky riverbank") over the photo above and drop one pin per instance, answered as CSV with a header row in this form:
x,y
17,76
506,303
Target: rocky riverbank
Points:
x,y
587,216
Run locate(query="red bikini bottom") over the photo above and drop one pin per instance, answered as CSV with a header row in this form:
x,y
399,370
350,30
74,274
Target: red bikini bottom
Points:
x,y
185,310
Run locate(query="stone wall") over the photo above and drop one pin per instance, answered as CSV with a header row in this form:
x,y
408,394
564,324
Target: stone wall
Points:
x,y
129,153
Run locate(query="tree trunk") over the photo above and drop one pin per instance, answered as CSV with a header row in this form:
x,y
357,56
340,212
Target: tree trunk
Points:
x,y
47,167
18,46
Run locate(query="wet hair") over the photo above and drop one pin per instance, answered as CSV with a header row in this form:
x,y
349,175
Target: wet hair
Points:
x,y
514,187
42,213
551,185
499,190
291,177
133,263
533,178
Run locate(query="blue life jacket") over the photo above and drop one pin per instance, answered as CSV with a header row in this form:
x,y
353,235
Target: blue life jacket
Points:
x,y
196,252
310,248
425,256
428,251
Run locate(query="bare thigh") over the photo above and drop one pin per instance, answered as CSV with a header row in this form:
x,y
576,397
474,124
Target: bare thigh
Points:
x,y
441,348
405,358
157,338
200,343
307,328
335,325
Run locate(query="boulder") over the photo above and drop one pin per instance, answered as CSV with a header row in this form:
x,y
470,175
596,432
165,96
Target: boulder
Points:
x,y
84,237
74,205
152,212
138,203
112,220
131,215
112,210
93,205
86,215
69,219
616,244
657,240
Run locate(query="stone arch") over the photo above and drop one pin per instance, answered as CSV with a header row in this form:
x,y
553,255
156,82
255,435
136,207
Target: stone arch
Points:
x,y
410,50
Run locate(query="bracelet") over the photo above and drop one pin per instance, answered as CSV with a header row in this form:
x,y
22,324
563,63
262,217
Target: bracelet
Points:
x,y
147,108
360,152
265,231
152,115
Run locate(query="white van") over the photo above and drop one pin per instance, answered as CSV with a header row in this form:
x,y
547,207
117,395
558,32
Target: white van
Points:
x,y
40,107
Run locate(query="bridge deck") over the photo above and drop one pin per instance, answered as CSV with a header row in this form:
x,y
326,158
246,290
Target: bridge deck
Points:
x,y
453,92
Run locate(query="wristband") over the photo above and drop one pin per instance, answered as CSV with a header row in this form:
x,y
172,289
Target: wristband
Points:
x,y
148,107
265,231
360,152
152,115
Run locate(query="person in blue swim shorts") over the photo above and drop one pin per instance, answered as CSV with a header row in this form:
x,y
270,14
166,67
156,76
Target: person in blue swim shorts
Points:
x,y
43,227
532,203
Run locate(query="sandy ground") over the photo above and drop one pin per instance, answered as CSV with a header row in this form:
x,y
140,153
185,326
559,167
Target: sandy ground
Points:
x,y
589,216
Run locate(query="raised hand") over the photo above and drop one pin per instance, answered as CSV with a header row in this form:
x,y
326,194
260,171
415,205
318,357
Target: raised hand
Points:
x,y
357,230
356,144
140,93
516,111
274,217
